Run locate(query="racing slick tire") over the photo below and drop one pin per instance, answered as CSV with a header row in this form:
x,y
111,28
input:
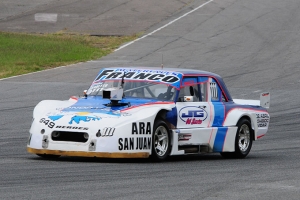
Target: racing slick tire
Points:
x,y
243,140
161,141
48,156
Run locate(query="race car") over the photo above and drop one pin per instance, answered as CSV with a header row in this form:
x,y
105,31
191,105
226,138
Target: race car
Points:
x,y
131,112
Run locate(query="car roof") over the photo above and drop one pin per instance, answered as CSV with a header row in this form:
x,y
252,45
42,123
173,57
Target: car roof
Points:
x,y
184,72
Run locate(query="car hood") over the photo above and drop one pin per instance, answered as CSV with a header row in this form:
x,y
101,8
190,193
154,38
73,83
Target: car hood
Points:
x,y
94,108
98,105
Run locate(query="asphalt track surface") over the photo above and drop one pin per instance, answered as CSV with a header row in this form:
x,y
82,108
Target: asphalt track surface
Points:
x,y
253,45
95,17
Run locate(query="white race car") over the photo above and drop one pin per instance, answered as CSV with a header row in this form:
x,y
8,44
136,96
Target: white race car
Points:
x,y
133,112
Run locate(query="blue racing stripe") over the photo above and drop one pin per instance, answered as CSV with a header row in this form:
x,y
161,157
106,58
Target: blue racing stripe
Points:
x,y
220,139
219,114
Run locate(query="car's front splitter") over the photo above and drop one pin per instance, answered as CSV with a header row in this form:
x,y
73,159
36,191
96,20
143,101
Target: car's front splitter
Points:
x,y
88,154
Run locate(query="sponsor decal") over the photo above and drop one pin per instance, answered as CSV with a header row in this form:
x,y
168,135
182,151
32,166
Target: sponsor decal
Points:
x,y
192,115
107,131
80,116
125,114
56,117
134,143
72,127
58,109
141,128
95,88
90,110
262,119
77,119
184,137
83,107
150,75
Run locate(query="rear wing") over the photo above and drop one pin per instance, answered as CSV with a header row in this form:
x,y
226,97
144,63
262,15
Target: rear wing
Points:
x,y
263,102
265,99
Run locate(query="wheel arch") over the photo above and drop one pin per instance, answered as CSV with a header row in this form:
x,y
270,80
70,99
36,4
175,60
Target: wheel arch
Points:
x,y
247,117
233,118
242,144
162,115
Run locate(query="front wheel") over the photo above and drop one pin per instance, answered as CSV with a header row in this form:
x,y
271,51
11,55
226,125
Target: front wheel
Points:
x,y
243,141
161,141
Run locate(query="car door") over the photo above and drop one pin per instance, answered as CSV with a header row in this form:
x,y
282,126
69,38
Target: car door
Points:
x,y
196,110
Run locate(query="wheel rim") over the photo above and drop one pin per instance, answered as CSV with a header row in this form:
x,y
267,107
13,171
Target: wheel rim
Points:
x,y
244,138
161,140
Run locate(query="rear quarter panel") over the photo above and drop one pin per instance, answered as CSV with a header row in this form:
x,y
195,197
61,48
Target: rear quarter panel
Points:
x,y
259,119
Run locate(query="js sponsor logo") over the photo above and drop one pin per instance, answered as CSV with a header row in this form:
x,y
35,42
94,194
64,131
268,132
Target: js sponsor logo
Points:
x,y
192,115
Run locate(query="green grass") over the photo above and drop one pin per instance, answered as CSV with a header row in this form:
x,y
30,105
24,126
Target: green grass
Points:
x,y
24,53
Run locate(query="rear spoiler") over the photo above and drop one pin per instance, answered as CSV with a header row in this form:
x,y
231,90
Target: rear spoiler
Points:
x,y
265,99
263,102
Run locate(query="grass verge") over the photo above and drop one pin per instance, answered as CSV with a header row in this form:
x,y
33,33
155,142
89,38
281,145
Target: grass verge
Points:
x,y
24,53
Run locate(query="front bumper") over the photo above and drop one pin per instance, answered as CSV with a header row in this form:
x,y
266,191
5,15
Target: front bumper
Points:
x,y
88,154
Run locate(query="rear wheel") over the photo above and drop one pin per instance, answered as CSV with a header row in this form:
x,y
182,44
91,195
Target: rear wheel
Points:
x,y
161,142
243,141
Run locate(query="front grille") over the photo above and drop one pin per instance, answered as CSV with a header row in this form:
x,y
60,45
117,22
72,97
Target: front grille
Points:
x,y
69,136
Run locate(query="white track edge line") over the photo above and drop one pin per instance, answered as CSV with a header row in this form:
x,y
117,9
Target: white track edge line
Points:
x,y
171,22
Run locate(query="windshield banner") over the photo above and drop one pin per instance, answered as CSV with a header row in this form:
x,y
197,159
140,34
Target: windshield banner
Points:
x,y
166,77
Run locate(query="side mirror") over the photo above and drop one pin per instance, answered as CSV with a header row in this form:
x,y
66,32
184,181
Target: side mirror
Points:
x,y
85,93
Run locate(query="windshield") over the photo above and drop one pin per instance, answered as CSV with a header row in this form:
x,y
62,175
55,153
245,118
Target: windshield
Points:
x,y
137,89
